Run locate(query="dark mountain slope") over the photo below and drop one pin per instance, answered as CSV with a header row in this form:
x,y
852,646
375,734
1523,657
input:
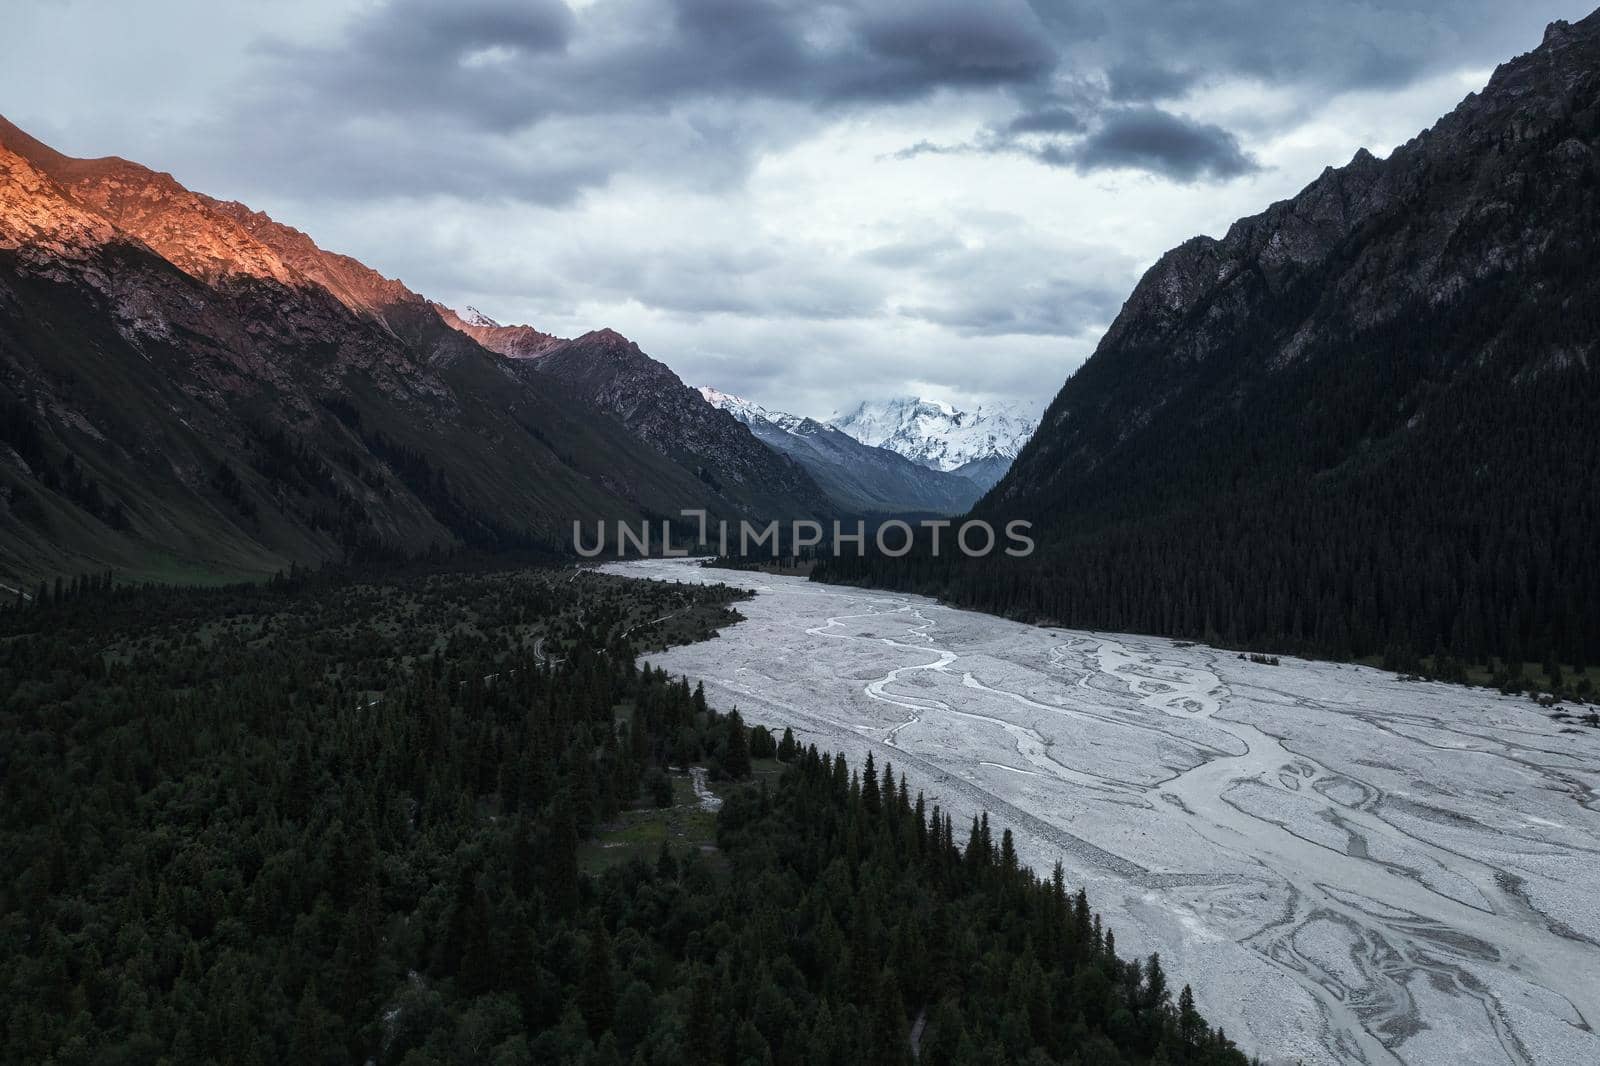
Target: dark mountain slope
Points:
x,y
985,472
865,480
1366,419
190,388
606,370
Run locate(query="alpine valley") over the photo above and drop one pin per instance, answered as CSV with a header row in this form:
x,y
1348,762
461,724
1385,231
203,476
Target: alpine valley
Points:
x,y
1278,743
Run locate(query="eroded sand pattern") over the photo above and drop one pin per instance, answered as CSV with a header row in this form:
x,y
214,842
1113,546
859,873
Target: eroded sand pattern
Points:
x,y
1348,867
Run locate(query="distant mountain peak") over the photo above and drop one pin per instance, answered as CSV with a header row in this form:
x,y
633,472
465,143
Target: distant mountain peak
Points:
x,y
607,335
937,434
750,413
514,342
744,410
979,443
860,478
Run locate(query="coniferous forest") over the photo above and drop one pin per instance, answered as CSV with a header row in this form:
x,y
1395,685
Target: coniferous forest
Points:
x,y
327,821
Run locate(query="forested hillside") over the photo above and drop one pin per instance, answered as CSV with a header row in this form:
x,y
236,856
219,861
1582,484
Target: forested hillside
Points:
x,y
323,822
1363,423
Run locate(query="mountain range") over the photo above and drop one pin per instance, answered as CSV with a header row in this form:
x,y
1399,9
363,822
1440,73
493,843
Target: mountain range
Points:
x,y
1364,421
978,444
858,478
192,389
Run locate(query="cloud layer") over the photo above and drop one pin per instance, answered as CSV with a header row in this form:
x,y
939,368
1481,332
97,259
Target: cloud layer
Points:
x,y
698,89
810,202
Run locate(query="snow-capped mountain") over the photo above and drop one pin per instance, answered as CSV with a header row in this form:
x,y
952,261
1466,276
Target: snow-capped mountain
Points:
x,y
938,435
474,317
859,478
748,411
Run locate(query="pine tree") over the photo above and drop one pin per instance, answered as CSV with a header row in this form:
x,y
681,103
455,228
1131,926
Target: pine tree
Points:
x,y
869,787
1155,983
736,756
1189,1023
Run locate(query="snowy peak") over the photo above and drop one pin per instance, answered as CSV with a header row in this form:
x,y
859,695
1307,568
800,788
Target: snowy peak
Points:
x,y
513,342
859,478
749,412
746,411
474,317
938,435
979,443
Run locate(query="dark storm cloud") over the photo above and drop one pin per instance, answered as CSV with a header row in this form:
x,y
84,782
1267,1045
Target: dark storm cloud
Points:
x,y
693,91
652,55
1147,47
1119,57
1049,120
417,31
954,45
1150,139
689,90
1128,138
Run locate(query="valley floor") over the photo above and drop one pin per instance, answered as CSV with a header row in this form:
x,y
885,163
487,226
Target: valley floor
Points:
x,y
1347,867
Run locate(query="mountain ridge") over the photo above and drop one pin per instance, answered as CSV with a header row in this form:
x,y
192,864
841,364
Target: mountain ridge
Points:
x,y
1181,300
610,372
513,342
191,388
858,478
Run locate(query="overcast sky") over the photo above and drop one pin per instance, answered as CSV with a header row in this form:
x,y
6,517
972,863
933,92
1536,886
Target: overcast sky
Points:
x,y
805,203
